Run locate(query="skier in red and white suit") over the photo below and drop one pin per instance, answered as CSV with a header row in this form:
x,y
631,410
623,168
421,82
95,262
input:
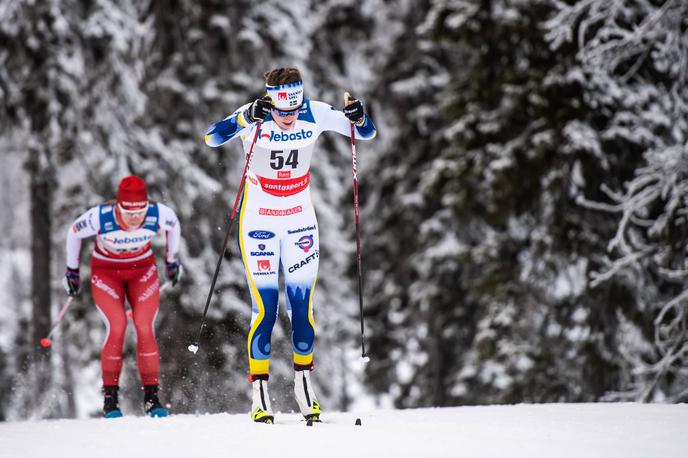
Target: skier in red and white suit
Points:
x,y
123,266
277,223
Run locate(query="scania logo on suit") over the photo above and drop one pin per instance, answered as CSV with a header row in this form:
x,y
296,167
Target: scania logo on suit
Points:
x,y
262,253
285,137
261,235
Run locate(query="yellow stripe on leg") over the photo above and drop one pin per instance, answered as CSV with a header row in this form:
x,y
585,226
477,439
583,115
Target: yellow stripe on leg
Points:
x,y
310,304
261,366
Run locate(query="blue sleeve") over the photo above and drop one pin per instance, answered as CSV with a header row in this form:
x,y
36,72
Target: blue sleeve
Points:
x,y
365,129
223,131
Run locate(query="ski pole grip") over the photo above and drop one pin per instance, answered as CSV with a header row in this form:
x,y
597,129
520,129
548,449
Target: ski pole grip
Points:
x,y
347,98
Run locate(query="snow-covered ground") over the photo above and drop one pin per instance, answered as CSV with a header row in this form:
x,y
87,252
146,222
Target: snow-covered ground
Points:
x,y
520,431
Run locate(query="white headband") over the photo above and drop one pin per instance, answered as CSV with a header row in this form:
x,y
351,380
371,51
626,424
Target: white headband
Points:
x,y
286,96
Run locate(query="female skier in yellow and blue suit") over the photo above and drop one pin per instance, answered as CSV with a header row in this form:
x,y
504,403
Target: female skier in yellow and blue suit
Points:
x,y
277,223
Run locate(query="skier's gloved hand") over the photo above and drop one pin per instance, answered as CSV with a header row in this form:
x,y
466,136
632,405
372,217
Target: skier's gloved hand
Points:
x,y
174,271
259,110
72,282
353,109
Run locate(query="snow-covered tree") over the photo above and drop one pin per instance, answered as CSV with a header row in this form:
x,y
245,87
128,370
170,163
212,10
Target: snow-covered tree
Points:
x,y
463,288
481,288
634,67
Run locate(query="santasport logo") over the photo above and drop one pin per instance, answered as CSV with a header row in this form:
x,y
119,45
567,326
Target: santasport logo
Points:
x,y
285,137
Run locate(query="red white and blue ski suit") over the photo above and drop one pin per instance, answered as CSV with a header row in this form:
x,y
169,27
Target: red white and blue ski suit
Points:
x,y
123,265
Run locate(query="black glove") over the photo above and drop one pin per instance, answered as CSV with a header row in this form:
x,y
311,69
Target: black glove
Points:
x,y
174,271
353,109
72,282
259,110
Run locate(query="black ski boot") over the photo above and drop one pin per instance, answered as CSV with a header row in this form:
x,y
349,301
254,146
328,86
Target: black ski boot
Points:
x,y
110,402
151,403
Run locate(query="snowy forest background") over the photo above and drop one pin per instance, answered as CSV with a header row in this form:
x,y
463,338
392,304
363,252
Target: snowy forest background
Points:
x,y
524,207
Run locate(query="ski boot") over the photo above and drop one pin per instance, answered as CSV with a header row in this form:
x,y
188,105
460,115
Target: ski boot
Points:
x,y
305,397
151,403
261,412
110,402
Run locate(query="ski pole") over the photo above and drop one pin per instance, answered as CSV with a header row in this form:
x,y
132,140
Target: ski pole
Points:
x,y
358,233
193,348
45,341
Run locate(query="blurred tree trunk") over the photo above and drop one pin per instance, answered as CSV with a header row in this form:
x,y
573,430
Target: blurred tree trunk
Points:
x,y
39,96
40,195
